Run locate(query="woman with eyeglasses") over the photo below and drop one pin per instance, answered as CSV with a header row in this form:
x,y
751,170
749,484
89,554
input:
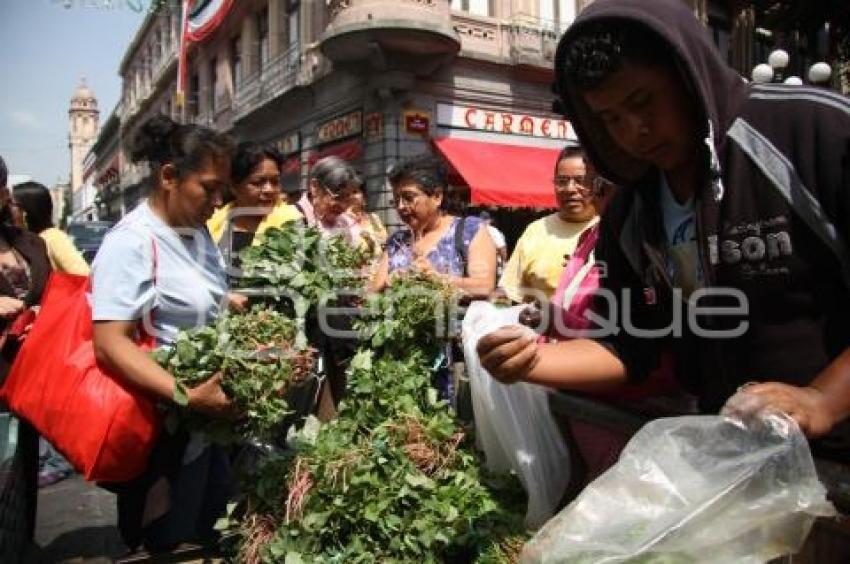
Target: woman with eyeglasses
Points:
x,y
534,268
459,248
257,202
333,186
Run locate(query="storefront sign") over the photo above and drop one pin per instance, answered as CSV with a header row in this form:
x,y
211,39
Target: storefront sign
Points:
x,y
482,119
338,128
374,126
289,144
417,122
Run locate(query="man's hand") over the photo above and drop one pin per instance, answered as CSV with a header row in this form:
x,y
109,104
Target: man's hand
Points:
x,y
808,406
10,307
208,397
509,354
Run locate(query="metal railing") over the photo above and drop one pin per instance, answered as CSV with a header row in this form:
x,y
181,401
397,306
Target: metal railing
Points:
x,y
276,77
532,38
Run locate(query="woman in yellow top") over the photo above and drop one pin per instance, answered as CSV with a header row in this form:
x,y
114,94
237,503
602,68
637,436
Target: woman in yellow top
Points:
x,y
257,201
36,207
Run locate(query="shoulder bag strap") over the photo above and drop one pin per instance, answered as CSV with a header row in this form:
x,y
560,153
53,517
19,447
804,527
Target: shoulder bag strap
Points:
x,y
460,248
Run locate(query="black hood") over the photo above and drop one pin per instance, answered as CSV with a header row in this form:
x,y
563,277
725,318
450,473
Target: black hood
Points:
x,y
719,89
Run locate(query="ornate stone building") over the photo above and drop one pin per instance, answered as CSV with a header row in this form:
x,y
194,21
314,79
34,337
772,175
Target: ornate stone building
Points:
x,y
375,80
83,118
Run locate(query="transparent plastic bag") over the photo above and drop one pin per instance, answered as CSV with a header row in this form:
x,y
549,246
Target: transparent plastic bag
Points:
x,y
513,424
707,489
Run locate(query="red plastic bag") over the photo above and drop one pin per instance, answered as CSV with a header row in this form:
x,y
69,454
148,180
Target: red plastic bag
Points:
x,y
105,428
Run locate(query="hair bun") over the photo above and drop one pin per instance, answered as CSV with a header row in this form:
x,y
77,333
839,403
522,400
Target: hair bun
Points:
x,y
153,140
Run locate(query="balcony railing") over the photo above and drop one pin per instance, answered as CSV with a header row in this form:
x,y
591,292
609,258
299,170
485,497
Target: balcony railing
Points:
x,y
532,40
279,75
338,7
410,27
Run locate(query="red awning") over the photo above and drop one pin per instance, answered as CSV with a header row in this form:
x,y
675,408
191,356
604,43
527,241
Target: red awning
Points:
x,y
503,175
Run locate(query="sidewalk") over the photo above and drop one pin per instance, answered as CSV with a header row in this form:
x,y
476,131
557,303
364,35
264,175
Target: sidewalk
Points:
x,y
75,523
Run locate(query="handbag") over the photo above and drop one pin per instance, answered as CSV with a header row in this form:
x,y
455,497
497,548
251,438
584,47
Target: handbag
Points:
x,y
103,426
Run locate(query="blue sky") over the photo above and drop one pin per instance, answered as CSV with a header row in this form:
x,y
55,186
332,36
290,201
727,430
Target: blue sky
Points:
x,y
46,48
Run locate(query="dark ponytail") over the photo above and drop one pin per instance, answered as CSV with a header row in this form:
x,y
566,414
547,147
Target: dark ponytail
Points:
x,y
161,141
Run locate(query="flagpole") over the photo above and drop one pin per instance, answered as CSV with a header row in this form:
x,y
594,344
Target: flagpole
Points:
x,y
182,62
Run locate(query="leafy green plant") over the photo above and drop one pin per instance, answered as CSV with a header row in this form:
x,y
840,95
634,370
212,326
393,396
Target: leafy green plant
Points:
x,y
395,477
298,263
416,311
255,352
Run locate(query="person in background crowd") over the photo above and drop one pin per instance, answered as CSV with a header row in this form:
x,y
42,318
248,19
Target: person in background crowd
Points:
x,y
458,249
580,276
296,197
159,267
498,240
257,202
333,186
740,188
372,230
430,241
534,269
36,205
24,269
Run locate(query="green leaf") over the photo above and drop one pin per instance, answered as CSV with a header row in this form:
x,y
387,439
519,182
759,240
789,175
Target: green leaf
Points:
x,y
419,481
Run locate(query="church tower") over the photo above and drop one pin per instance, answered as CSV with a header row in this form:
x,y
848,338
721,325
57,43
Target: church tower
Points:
x,y
84,120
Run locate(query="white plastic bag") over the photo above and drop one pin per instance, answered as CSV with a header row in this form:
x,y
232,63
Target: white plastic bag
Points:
x,y
513,424
707,489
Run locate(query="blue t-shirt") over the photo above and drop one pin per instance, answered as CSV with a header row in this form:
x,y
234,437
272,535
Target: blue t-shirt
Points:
x,y
191,284
443,257
683,264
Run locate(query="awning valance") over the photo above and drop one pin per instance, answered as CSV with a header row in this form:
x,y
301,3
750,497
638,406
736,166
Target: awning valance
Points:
x,y
500,174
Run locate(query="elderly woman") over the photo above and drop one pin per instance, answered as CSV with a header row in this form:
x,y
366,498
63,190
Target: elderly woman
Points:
x,y
333,187
459,248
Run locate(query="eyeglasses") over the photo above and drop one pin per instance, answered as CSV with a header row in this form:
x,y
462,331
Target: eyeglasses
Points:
x,y
563,181
596,186
407,198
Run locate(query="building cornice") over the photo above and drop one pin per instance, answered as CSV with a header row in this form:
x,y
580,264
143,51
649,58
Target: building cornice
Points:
x,y
130,52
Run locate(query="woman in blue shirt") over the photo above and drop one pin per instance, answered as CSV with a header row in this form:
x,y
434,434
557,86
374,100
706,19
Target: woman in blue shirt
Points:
x,y
159,271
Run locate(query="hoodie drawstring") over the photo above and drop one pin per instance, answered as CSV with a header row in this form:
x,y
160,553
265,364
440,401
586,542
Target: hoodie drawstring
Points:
x,y
714,166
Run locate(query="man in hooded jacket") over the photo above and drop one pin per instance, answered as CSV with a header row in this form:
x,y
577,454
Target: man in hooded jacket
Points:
x,y
729,240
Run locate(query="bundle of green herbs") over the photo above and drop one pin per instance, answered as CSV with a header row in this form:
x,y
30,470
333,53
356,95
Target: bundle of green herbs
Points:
x,y
416,311
395,477
298,266
259,363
